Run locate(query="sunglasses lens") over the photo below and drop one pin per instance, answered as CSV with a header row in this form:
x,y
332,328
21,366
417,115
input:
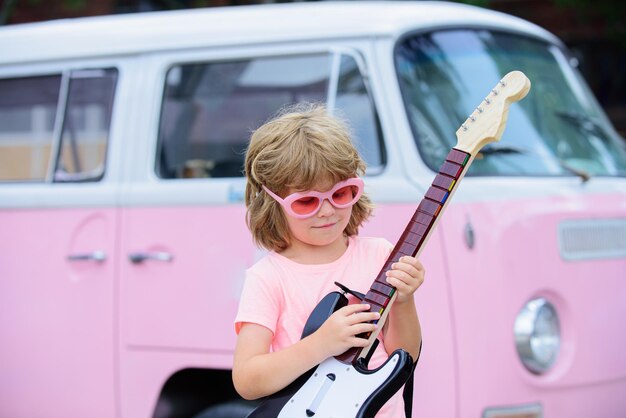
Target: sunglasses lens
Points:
x,y
345,195
305,205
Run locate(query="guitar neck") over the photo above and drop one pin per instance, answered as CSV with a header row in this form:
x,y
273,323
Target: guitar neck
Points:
x,y
485,125
381,294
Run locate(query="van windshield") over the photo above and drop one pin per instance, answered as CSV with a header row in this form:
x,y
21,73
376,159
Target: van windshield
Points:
x,y
557,130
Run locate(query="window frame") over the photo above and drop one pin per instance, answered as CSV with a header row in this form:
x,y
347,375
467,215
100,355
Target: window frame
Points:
x,y
76,178
335,54
65,74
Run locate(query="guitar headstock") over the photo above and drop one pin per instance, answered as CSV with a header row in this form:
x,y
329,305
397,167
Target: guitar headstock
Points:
x,y
486,124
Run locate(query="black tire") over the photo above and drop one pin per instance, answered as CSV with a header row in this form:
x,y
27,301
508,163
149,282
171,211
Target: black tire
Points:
x,y
231,409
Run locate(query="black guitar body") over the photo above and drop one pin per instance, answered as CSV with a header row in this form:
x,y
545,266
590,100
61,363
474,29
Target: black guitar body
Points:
x,y
272,406
398,367
324,309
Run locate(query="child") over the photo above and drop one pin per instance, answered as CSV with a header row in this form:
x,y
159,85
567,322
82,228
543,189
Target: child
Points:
x,y
305,204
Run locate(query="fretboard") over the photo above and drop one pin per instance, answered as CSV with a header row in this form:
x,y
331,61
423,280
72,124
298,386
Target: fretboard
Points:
x,y
381,294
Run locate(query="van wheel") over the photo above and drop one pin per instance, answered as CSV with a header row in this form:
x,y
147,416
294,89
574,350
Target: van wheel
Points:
x,y
232,409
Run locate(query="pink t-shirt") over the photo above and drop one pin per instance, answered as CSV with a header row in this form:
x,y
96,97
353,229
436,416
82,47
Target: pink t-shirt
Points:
x,y
280,294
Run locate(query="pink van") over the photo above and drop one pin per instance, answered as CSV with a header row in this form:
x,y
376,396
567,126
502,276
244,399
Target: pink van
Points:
x,y
124,245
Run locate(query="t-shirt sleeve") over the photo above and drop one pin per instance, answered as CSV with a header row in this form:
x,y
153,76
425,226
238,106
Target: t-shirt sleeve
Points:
x,y
259,302
385,247
379,250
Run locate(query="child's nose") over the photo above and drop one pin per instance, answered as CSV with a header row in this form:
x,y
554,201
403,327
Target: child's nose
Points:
x,y
327,208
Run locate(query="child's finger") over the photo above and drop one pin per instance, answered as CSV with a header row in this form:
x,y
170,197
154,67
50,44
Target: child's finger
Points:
x,y
363,328
363,317
399,284
354,308
412,261
402,276
359,342
409,268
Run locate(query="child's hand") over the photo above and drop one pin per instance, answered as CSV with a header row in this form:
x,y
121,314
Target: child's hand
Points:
x,y
406,276
339,333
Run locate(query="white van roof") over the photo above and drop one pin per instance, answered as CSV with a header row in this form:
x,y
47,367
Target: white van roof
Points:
x,y
157,31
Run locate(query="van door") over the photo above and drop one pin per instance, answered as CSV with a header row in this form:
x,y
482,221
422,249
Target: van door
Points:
x,y
58,224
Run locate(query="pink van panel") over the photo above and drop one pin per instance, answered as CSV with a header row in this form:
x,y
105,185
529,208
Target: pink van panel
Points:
x,y
57,323
190,301
515,258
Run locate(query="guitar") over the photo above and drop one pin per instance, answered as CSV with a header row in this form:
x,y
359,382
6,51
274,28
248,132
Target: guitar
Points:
x,y
343,386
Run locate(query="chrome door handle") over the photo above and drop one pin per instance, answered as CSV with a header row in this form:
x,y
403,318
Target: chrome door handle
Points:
x,y
140,257
98,256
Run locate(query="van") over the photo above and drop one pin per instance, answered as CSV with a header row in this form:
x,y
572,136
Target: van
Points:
x,y
124,242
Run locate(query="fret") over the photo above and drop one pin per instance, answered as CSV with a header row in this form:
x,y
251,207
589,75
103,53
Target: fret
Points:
x,y
393,257
379,299
382,288
444,182
411,237
458,157
418,229
381,278
422,218
437,194
374,307
406,248
430,207
451,169
388,266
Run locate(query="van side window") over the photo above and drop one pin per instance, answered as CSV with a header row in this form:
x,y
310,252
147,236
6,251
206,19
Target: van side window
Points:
x,y
355,104
210,109
28,107
85,132
55,127
86,123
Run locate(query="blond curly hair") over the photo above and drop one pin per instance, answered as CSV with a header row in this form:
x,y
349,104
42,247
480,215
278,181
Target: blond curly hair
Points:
x,y
303,146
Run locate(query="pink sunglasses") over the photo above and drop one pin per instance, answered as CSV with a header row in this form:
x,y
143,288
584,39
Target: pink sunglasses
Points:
x,y
302,205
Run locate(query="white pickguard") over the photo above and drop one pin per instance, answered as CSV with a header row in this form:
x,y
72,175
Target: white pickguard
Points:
x,y
338,398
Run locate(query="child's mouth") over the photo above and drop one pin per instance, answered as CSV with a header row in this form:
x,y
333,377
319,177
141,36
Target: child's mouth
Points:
x,y
326,225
